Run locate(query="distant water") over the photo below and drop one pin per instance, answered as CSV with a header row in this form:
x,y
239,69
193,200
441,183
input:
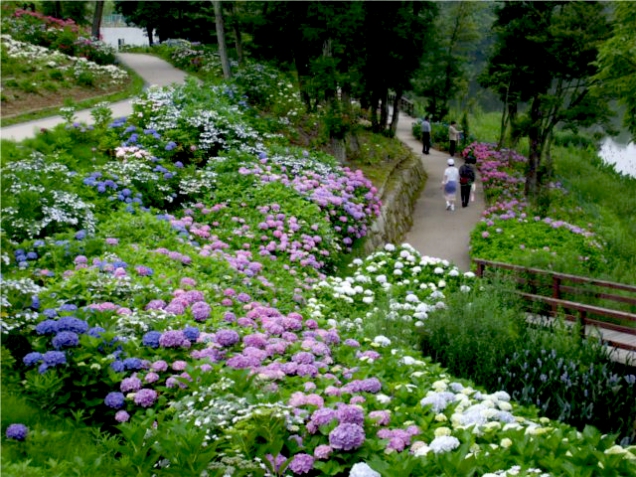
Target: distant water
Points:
x,y
622,155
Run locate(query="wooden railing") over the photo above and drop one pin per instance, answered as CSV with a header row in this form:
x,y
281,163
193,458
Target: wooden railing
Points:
x,y
406,105
576,289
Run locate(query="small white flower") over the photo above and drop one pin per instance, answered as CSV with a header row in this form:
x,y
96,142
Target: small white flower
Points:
x,y
389,247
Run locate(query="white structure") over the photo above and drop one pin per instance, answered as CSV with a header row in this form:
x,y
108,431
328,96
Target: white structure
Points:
x,y
119,36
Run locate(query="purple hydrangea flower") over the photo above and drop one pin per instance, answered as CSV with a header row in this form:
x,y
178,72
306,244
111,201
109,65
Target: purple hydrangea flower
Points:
x,y
156,305
122,416
350,414
301,464
118,366
114,400
17,432
145,397
347,437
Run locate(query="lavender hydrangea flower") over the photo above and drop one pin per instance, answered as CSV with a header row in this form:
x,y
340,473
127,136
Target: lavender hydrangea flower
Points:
x,y
145,397
130,384
122,416
156,305
350,414
200,311
114,400
174,339
227,337
17,432
347,437
301,464
322,452
65,339
96,331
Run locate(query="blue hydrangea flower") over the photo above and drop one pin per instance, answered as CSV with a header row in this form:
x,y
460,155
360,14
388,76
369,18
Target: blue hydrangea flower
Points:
x,y
132,364
151,339
46,327
65,339
32,256
170,146
81,235
32,358
54,358
70,323
96,331
50,313
17,432
35,302
117,366
114,400
39,243
68,307
192,333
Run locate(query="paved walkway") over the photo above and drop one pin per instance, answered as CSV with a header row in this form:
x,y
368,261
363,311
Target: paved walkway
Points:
x,y
438,232
153,70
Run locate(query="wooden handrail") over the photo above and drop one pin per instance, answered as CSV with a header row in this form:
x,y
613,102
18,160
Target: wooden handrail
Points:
x,y
584,310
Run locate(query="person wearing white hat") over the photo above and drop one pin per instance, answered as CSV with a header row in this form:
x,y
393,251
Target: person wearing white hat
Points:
x,y
449,184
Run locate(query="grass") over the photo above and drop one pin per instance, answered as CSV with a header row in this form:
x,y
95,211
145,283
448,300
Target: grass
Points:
x,y
135,86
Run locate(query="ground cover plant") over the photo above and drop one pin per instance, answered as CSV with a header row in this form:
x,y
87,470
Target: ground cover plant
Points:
x,y
176,299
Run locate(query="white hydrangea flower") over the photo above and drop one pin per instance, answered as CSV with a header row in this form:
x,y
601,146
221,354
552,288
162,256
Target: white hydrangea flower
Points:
x,y
363,470
389,247
382,340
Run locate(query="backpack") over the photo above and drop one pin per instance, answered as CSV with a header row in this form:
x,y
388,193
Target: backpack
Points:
x,y
466,175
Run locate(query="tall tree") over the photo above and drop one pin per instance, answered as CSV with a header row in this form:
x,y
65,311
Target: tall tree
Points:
x,y
458,30
220,37
547,51
97,18
617,61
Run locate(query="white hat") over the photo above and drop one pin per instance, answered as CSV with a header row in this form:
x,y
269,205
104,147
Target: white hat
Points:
x,y
451,161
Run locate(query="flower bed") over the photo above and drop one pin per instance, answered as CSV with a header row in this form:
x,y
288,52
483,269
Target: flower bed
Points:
x,y
510,232
197,314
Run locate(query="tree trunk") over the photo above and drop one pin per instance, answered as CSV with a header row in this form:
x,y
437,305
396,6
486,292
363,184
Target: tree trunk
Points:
x,y
384,111
351,139
238,41
220,35
97,18
149,30
375,104
534,157
396,112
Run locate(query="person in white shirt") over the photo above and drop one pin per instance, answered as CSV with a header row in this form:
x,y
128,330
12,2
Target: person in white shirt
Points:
x,y
450,183
453,137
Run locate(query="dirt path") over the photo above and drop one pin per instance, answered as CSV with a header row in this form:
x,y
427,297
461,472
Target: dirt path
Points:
x,y
437,232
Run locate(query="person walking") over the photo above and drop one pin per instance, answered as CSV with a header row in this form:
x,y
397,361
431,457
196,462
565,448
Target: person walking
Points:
x,y
466,184
453,137
426,136
449,184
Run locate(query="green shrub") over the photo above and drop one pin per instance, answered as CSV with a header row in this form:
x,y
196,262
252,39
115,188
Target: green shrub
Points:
x,y
86,79
56,75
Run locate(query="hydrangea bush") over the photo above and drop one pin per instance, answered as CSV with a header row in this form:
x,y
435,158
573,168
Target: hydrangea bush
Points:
x,y
214,331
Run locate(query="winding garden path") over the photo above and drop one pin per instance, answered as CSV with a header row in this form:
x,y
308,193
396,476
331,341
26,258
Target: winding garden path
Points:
x,y
438,232
435,232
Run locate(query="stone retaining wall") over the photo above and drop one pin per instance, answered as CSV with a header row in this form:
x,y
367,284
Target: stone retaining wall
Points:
x,y
399,196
